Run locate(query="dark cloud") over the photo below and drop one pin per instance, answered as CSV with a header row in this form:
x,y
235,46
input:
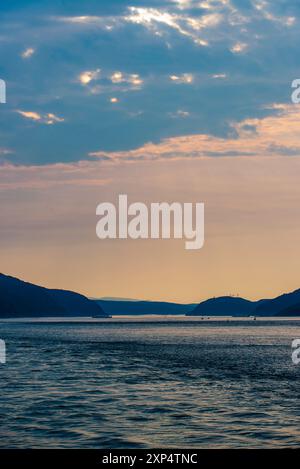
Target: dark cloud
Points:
x,y
251,46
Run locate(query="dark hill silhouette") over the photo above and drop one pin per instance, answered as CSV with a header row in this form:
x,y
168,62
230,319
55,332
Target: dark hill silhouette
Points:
x,y
292,311
224,306
287,304
22,299
116,307
281,303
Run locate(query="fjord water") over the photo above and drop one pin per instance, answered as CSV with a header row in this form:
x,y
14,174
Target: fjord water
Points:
x,y
149,383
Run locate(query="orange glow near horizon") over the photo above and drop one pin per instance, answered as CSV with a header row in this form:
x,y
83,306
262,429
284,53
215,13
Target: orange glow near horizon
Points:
x,y
251,225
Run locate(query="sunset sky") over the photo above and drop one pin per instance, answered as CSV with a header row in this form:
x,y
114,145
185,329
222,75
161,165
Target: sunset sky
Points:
x,y
175,100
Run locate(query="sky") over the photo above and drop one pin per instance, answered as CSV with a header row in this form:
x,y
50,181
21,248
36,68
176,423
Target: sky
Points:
x,y
175,100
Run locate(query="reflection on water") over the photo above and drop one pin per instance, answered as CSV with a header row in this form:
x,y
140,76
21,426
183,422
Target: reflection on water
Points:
x,y
150,383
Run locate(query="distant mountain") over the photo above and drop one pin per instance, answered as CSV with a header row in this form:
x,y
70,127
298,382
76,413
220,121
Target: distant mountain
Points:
x,y
22,299
292,311
129,308
74,302
224,306
281,305
113,298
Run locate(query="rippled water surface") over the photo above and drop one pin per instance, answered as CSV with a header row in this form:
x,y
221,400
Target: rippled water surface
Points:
x,y
150,383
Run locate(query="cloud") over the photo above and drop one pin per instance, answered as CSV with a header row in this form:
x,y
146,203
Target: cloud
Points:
x,y
27,53
272,137
264,7
48,118
105,23
87,19
30,115
179,113
52,119
107,82
267,137
130,78
150,48
239,47
117,77
5,151
219,75
38,177
186,78
189,26
86,77
155,20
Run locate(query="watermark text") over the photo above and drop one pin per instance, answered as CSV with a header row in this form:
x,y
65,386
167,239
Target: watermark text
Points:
x,y
158,221
2,92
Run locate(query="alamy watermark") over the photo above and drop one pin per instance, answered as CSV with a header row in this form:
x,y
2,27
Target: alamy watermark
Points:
x,y
2,101
158,221
2,352
296,351
295,96
2,92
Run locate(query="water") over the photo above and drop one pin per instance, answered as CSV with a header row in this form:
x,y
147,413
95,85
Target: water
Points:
x,y
178,382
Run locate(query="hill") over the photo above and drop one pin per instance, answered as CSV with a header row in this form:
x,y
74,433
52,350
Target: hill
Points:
x,y
116,307
280,305
224,306
23,299
292,311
